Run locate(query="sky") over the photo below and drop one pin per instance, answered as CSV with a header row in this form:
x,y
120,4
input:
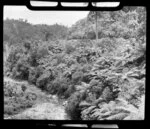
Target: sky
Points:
x,y
67,18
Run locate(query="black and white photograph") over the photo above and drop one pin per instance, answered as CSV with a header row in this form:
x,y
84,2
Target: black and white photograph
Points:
x,y
74,65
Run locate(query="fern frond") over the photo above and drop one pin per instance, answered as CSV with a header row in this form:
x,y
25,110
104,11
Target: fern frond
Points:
x,y
88,110
119,116
84,104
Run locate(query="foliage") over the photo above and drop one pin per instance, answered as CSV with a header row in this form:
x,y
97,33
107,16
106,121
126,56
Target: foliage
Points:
x,y
114,110
21,70
42,81
21,30
34,74
72,109
17,98
102,79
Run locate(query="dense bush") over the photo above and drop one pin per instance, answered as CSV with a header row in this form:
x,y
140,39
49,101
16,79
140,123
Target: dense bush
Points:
x,y
77,76
43,80
70,90
13,57
34,74
114,110
72,108
17,98
69,48
21,70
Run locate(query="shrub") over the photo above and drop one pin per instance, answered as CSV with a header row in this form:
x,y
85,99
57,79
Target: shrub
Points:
x,y
52,88
34,74
70,90
107,94
62,85
72,109
62,89
77,76
16,105
10,109
14,55
91,35
33,58
69,48
21,70
94,82
17,98
43,80
58,86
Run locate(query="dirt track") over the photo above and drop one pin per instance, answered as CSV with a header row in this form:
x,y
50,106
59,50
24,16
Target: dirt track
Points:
x,y
44,111
45,108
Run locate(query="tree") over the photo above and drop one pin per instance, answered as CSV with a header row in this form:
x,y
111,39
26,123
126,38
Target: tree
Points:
x,y
96,29
96,25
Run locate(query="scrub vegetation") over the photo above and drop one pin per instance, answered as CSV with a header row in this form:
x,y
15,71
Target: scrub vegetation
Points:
x,y
101,79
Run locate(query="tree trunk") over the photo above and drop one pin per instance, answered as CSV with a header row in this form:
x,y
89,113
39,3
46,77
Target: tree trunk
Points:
x,y
96,29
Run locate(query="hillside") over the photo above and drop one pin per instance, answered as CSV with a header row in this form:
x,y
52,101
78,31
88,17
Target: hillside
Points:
x,y
18,31
99,78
